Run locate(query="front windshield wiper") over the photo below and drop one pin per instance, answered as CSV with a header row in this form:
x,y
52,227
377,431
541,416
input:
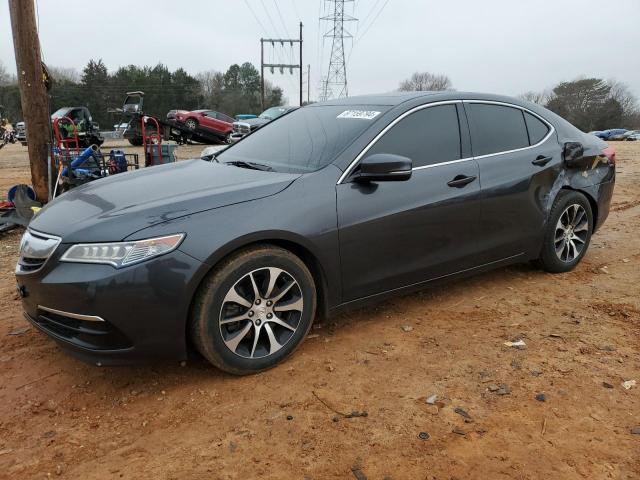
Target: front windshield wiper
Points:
x,y
252,165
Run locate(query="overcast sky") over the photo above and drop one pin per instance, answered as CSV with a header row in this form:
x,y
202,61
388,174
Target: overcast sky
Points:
x,y
498,46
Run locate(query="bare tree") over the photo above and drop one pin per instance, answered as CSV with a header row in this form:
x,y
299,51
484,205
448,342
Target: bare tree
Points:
x,y
211,84
620,92
64,74
541,98
426,81
5,77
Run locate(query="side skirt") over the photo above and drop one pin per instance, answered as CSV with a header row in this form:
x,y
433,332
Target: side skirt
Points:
x,y
519,258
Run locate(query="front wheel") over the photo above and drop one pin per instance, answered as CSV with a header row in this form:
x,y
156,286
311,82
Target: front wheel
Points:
x,y
254,310
568,233
191,124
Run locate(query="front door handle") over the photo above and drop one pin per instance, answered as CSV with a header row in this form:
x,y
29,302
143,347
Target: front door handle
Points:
x,y
541,160
460,181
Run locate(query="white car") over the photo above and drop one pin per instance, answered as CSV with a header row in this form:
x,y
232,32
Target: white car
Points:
x,y
632,135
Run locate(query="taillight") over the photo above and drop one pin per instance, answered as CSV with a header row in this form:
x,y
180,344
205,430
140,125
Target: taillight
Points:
x,y
610,153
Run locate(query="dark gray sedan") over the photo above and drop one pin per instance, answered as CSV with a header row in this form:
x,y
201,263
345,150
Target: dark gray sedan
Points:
x,y
330,206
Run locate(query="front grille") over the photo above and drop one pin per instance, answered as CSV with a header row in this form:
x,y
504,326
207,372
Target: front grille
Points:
x,y
94,335
29,264
241,128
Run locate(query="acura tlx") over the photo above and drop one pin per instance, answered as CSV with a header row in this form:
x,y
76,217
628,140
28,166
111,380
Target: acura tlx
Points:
x,y
329,206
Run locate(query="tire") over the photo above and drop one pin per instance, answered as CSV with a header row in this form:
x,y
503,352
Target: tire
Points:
x,y
281,323
563,248
135,141
191,124
97,141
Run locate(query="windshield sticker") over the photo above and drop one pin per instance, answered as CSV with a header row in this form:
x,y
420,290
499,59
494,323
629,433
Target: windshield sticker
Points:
x,y
362,114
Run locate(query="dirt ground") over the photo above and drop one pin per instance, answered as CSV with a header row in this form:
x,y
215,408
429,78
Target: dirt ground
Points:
x,y
62,418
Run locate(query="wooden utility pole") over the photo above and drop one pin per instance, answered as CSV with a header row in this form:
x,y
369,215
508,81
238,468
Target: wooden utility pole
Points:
x,y
262,74
274,44
33,93
301,64
308,82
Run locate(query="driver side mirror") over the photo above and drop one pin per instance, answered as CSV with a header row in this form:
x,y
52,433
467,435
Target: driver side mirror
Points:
x,y
384,167
573,153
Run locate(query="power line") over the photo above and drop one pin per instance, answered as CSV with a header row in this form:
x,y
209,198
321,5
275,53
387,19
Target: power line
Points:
x,y
357,40
368,15
371,24
270,19
295,9
256,17
281,18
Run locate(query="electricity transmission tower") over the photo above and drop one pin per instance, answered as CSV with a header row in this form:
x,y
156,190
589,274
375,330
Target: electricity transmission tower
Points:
x,y
334,85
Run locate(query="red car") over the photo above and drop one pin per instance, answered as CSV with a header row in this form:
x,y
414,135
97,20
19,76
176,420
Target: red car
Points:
x,y
209,121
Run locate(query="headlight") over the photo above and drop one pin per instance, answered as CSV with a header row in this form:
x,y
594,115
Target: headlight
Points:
x,y
122,254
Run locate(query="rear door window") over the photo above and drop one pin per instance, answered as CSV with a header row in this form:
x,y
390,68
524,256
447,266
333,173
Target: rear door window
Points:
x,y
497,128
428,136
537,128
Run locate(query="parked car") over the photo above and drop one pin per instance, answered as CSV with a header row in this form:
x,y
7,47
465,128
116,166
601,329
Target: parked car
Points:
x,y
245,127
21,133
171,114
632,135
87,130
613,134
208,120
332,206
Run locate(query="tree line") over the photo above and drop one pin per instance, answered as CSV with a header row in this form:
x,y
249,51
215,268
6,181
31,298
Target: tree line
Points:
x,y
588,103
237,90
591,103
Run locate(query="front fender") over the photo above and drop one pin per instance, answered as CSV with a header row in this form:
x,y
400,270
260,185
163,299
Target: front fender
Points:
x,y
304,214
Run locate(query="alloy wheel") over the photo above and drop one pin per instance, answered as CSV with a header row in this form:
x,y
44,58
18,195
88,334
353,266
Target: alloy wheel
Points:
x,y
191,124
571,233
261,312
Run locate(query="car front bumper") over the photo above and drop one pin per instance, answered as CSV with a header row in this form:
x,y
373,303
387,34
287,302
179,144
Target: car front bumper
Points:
x,y
110,316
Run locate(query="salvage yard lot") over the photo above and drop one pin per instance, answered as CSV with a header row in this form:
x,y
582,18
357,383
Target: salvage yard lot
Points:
x,y
582,334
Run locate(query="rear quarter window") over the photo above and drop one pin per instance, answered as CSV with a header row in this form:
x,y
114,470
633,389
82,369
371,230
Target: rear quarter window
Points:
x,y
497,128
537,128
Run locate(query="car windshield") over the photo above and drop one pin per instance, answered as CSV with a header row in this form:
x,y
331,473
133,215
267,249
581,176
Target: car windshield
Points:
x,y
273,112
61,112
304,140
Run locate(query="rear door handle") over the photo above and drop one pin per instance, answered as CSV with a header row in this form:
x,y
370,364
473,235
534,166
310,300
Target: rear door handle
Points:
x,y
460,181
541,160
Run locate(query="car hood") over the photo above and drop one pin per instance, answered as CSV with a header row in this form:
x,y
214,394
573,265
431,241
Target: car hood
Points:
x,y
255,121
113,208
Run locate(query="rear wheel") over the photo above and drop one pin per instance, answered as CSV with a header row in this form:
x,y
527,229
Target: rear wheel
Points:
x,y
568,234
254,310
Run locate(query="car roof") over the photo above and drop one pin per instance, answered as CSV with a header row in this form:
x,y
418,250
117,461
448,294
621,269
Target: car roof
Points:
x,y
397,98
566,131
